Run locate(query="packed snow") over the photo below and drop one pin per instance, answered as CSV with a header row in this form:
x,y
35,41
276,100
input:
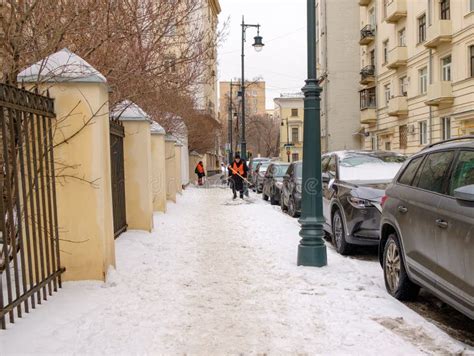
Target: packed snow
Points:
x,y
218,276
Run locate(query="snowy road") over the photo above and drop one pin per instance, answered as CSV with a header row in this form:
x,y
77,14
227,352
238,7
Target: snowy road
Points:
x,y
218,277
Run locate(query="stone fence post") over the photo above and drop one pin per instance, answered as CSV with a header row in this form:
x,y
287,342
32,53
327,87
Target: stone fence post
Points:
x,y
158,164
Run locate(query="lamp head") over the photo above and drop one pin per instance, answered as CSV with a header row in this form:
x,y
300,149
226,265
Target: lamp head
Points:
x,y
258,43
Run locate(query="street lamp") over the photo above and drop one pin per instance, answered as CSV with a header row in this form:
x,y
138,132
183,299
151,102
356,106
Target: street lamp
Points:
x,y
230,122
287,137
311,249
258,45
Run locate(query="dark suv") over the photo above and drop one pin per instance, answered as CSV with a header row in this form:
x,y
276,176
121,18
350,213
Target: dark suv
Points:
x,y
427,226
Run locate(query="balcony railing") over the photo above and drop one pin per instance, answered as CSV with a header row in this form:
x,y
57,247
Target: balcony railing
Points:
x,y
367,75
367,34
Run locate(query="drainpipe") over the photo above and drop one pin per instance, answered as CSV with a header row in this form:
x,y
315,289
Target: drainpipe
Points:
x,y
431,82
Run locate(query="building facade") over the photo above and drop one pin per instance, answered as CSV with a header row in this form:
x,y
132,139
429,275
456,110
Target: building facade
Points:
x,y
417,72
255,96
338,70
289,109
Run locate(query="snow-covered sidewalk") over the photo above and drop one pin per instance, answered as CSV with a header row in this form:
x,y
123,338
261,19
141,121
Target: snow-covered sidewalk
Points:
x,y
217,277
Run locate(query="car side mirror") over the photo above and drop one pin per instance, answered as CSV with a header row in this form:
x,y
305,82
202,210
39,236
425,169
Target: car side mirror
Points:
x,y
326,177
465,193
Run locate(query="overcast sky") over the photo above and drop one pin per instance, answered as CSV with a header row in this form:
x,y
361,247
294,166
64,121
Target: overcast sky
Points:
x,y
282,63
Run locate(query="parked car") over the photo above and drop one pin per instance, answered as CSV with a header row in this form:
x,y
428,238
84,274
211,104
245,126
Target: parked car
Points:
x,y
427,226
290,197
259,174
273,181
354,183
253,166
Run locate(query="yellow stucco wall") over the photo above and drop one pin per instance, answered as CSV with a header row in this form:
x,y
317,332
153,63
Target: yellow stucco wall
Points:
x,y
158,172
179,186
138,175
84,194
170,156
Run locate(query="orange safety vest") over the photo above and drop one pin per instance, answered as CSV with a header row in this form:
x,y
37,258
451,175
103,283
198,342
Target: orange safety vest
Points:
x,y
200,168
238,169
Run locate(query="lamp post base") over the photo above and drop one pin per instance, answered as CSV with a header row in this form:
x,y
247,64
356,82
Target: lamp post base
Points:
x,y
312,249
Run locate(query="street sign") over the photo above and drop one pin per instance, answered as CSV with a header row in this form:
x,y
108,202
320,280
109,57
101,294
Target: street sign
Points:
x,y
289,145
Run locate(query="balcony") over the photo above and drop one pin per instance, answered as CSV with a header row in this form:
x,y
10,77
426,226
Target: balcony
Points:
x,y
367,35
398,106
441,31
440,94
368,116
397,57
364,2
367,75
396,10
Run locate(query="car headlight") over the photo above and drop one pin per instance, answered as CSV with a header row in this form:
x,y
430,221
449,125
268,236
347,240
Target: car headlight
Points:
x,y
298,188
359,203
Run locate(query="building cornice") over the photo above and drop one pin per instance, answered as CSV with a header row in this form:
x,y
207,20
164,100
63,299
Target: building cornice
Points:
x,y
215,6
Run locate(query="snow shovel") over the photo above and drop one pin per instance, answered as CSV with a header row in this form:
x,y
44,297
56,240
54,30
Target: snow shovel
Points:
x,y
246,188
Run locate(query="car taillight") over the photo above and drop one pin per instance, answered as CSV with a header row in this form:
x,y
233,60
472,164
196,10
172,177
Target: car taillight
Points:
x,y
383,200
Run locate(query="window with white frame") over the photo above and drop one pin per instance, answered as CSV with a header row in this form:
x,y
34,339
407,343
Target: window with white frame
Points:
x,y
404,86
423,80
446,68
423,128
402,37
386,89
422,28
372,20
471,5
446,127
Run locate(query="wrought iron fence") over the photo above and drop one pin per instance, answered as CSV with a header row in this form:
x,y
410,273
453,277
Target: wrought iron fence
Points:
x,y
117,133
30,268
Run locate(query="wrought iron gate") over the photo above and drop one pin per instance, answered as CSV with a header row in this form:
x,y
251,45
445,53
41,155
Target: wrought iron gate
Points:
x,y
117,133
30,267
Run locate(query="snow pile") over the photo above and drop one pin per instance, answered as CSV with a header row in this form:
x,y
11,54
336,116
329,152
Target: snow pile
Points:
x,y
220,278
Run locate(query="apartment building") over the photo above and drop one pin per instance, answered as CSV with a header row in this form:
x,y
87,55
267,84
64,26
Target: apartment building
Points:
x,y
289,109
255,96
338,69
417,72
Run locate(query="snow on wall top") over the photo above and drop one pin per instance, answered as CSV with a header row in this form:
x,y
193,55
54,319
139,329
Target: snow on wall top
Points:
x,y
62,66
157,129
129,111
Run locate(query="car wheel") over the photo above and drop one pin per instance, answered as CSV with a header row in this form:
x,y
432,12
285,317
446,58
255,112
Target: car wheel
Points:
x,y
273,201
264,196
397,282
339,234
292,207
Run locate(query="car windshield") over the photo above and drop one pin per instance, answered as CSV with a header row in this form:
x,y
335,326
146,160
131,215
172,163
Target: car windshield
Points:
x,y
299,170
263,167
370,167
279,170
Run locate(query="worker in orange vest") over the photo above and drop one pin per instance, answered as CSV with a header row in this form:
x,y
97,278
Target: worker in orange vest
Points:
x,y
237,173
200,172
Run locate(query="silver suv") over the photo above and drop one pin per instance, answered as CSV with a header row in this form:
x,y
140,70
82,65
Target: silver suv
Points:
x,y
427,226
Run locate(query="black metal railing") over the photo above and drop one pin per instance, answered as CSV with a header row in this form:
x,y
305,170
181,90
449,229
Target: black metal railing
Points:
x,y
368,31
117,133
30,268
367,72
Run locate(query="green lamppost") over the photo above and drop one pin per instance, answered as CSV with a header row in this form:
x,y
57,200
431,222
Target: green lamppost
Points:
x,y
312,249
258,46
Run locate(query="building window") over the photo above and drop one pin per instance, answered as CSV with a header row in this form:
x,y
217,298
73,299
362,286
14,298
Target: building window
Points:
x,y
423,75
295,157
388,146
294,112
471,59
446,127
446,68
422,28
403,136
471,5
386,89
402,38
445,12
423,127
368,98
372,57
385,52
170,65
372,20
295,134
403,86
374,143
